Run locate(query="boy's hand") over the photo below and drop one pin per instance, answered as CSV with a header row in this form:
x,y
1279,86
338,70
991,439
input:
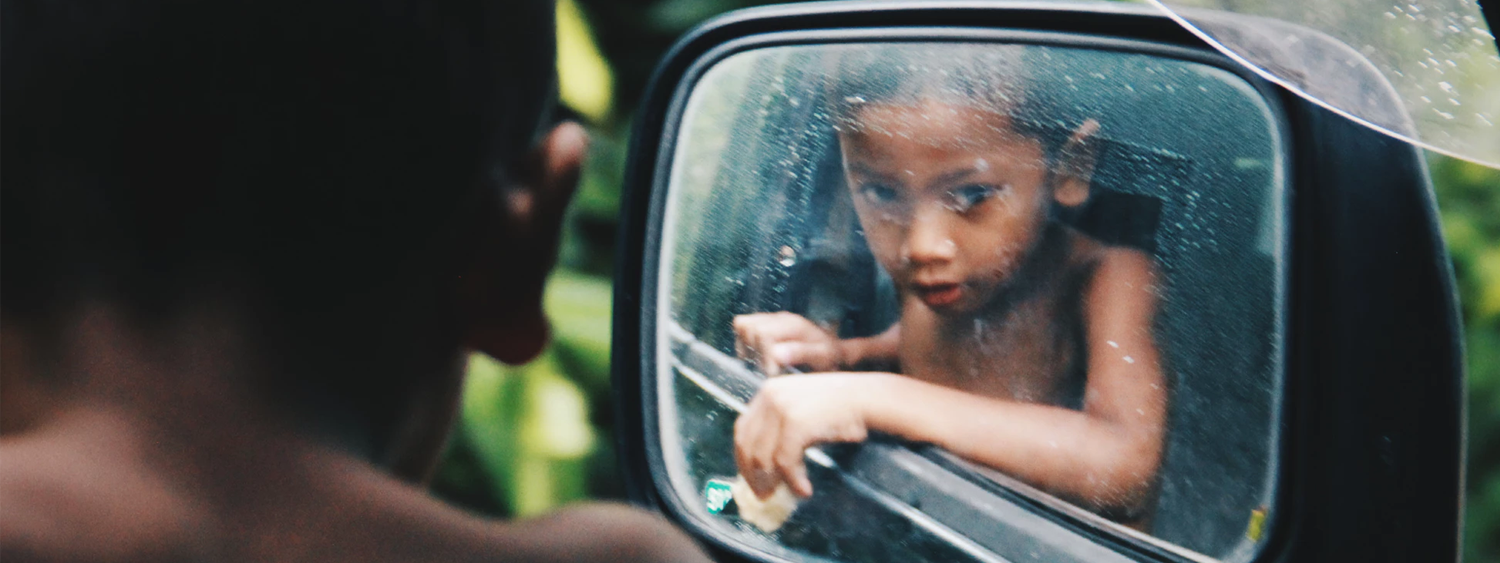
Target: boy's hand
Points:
x,y
776,341
788,415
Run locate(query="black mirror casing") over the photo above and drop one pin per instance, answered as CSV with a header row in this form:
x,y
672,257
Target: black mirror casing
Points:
x,y
1372,411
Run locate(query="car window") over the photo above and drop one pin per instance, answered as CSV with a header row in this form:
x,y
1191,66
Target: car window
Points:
x,y
1078,237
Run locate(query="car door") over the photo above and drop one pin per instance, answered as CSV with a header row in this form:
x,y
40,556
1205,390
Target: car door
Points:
x,y
1305,319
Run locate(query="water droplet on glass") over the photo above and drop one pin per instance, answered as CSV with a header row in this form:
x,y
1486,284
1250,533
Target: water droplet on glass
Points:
x,y
788,256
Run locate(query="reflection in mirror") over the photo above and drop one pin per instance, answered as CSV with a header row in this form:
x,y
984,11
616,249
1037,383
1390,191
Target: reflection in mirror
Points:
x,y
1040,271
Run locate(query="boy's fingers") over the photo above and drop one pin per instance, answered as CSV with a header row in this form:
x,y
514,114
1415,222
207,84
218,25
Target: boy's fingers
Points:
x,y
756,436
745,456
741,344
741,443
765,350
789,353
819,357
779,326
747,342
762,481
790,466
759,354
747,331
775,341
769,365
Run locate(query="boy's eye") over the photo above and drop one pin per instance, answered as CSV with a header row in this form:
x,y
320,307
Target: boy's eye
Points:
x,y
877,193
966,197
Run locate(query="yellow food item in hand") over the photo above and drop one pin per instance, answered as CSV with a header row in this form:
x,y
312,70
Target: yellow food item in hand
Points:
x,y
768,514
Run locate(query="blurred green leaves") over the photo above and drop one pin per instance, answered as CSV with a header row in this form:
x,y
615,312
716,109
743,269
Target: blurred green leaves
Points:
x,y
530,430
526,432
584,80
1469,197
579,307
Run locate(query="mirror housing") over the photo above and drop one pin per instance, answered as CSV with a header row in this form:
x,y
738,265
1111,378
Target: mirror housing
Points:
x,y
1371,410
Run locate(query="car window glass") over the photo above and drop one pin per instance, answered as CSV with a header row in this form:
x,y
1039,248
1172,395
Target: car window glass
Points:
x,y
1086,238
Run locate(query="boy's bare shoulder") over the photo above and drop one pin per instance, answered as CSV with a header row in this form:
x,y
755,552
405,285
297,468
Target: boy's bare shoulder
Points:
x,y
67,500
62,504
605,532
397,522
1110,272
1127,262
1107,259
1122,275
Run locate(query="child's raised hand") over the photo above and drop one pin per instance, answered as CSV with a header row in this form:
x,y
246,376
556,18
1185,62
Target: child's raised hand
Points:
x,y
776,341
788,415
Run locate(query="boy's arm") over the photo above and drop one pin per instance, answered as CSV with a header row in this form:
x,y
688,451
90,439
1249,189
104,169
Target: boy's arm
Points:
x,y
775,341
881,347
1105,456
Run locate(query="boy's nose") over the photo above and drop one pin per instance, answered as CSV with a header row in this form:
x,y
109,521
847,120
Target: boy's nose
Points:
x,y
928,239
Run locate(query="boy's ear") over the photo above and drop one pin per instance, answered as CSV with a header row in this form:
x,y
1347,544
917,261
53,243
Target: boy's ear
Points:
x,y
1075,170
500,296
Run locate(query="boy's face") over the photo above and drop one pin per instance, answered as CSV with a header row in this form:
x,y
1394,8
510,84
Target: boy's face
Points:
x,y
951,198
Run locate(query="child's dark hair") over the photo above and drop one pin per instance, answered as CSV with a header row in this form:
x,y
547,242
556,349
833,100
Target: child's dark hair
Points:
x,y
996,78
309,157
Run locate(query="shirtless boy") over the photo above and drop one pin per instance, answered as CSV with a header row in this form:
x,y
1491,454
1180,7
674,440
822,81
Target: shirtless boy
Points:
x,y
247,246
1023,344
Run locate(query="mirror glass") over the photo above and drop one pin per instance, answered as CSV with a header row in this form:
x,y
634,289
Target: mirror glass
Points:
x,y
945,287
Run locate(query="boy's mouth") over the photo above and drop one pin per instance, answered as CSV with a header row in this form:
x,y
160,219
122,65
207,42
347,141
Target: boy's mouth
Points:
x,y
939,294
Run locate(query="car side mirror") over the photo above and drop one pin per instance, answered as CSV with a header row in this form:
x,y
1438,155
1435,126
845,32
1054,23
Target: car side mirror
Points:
x,y
1092,291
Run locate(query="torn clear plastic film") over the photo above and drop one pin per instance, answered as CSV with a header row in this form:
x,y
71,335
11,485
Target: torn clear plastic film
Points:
x,y
1439,57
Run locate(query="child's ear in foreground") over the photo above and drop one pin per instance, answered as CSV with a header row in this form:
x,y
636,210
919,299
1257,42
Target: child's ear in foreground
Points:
x,y
501,294
1075,165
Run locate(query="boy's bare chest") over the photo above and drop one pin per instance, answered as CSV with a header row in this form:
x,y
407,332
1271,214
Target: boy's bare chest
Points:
x,y
1031,353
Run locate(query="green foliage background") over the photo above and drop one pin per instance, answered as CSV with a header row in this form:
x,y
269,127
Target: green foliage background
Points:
x,y
537,436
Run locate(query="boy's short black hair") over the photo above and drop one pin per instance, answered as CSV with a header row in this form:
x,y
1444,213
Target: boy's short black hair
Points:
x,y
314,158
1016,81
